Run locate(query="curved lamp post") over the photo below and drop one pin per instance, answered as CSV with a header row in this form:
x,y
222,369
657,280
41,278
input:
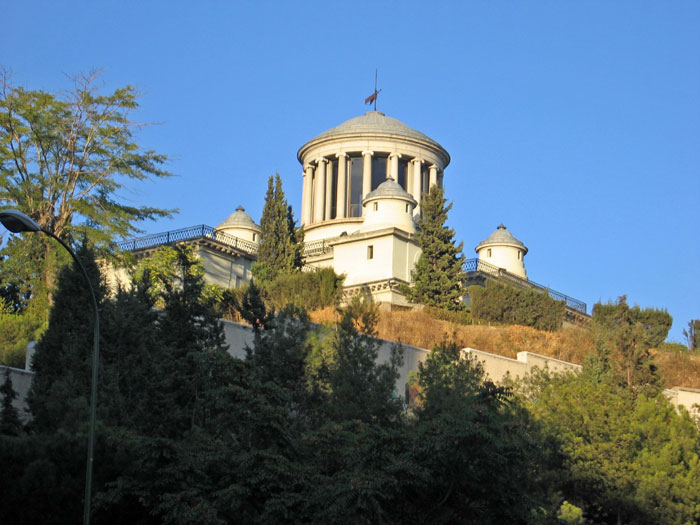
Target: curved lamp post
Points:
x,y
18,222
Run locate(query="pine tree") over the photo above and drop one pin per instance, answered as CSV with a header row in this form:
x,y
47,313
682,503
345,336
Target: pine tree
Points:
x,y
10,424
439,273
63,360
281,242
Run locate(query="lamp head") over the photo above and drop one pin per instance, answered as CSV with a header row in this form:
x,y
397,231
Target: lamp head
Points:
x,y
17,222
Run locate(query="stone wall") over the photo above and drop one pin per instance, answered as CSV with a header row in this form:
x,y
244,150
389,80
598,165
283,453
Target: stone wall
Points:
x,y
238,336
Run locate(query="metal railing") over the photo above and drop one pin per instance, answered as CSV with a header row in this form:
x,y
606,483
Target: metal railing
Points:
x,y
187,234
477,265
314,248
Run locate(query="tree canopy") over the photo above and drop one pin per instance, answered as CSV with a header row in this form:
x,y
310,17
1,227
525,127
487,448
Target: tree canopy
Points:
x,y
64,158
439,273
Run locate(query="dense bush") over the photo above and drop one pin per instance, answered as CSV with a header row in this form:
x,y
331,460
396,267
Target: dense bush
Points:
x,y
500,303
655,322
309,290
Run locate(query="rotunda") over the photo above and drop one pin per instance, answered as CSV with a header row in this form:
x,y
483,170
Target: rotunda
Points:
x,y
347,162
241,225
503,250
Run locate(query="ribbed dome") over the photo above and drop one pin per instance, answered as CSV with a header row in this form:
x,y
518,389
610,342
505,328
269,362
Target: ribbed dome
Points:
x,y
501,236
238,218
375,122
388,188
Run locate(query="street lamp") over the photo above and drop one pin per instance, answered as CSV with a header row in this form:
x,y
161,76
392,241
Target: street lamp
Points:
x,y
18,222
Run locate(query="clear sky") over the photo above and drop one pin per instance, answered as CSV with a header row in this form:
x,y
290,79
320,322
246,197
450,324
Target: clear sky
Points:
x,y
576,124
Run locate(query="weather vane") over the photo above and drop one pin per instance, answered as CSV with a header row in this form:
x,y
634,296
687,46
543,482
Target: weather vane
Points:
x,y
373,96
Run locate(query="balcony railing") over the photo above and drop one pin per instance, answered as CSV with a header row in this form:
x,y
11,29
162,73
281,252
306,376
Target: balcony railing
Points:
x,y
187,234
314,248
477,265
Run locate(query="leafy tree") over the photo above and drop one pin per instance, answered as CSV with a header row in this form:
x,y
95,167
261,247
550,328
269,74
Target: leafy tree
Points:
x,y
480,458
63,160
626,459
438,274
692,335
281,242
10,425
65,157
626,336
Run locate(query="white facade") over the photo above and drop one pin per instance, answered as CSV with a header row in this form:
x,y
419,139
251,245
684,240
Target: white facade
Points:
x,y
503,250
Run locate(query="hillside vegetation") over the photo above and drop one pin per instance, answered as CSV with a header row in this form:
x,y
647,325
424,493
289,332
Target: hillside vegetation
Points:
x,y
418,328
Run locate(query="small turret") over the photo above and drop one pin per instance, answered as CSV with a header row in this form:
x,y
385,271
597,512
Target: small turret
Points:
x,y
241,225
505,251
389,205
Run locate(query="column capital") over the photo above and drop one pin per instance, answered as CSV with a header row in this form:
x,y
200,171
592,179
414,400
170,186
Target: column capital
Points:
x,y
341,154
433,166
321,160
394,155
419,161
367,152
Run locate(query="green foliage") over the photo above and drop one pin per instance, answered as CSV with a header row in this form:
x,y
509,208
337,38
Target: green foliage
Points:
x,y
570,514
477,451
500,303
65,157
10,424
16,331
310,290
281,242
438,275
62,359
625,336
626,459
63,160
655,323
692,335
163,271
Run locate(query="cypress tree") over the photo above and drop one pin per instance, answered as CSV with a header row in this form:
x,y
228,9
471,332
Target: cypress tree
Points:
x,y
10,424
439,273
281,242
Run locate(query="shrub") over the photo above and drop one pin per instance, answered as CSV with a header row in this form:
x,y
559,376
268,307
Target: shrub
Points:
x,y
500,303
310,290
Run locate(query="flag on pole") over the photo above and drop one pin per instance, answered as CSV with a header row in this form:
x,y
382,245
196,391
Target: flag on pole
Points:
x,y
371,98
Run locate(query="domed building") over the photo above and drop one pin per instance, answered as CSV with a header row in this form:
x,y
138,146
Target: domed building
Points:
x,y
362,186
345,163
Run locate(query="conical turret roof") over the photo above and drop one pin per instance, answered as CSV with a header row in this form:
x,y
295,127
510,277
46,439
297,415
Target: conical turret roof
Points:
x,y
238,219
503,237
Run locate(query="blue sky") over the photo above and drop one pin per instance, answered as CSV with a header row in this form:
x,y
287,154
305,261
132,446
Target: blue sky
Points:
x,y
577,124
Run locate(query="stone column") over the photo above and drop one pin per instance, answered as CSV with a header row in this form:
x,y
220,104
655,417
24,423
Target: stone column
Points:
x,y
306,195
394,171
320,193
433,176
342,187
366,176
329,191
417,180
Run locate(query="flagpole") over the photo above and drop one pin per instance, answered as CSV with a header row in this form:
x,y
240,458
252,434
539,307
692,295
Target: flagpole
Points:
x,y
375,90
